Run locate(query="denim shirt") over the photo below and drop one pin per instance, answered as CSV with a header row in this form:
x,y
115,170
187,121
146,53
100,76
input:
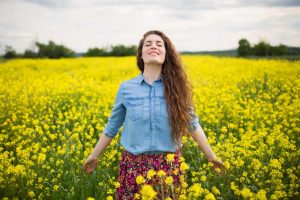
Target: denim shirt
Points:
x,y
141,109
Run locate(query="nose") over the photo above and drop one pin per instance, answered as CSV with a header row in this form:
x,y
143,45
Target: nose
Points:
x,y
153,46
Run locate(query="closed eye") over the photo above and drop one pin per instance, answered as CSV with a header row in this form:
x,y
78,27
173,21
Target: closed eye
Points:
x,y
158,43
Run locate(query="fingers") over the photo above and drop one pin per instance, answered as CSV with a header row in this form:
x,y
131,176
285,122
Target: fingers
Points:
x,y
89,170
218,164
88,167
85,165
219,168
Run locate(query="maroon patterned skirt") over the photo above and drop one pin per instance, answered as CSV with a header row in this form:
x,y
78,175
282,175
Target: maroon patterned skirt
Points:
x,y
132,166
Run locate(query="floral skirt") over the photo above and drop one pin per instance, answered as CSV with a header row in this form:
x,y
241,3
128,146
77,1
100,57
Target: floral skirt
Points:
x,y
131,166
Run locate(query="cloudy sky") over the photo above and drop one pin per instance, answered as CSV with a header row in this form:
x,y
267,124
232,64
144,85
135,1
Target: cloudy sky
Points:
x,y
193,25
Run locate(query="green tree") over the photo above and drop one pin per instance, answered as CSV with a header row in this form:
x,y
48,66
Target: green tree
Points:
x,y
30,54
279,50
10,52
117,50
262,49
121,50
52,50
244,48
92,52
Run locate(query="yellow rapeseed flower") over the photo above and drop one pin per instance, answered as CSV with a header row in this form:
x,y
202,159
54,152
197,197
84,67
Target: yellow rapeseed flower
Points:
x,y
147,192
55,187
183,166
234,188
170,157
161,173
182,197
137,196
31,194
151,173
184,185
203,178
261,195
226,164
196,190
274,163
218,169
181,159
109,198
169,180
215,190
117,184
184,139
246,193
209,196
140,180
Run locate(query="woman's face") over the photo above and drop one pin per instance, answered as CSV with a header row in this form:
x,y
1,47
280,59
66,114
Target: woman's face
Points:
x,y
153,51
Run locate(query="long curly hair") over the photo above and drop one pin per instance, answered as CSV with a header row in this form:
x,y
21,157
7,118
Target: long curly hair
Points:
x,y
178,91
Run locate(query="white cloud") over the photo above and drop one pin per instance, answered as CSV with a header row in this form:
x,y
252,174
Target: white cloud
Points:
x,y
191,24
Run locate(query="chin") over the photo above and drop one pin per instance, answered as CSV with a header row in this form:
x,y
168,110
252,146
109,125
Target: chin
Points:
x,y
154,61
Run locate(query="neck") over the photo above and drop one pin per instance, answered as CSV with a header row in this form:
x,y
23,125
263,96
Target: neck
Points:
x,y
152,73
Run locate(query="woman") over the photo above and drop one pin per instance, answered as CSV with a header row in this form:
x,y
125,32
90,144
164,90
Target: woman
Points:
x,y
157,109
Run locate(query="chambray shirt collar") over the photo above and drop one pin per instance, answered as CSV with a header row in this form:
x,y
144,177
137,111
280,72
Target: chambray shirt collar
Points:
x,y
141,77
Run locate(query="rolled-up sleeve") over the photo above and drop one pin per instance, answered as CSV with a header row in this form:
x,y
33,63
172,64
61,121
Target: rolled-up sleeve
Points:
x,y
194,123
117,116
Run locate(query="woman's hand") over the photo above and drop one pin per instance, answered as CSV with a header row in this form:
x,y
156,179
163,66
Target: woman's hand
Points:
x,y
217,164
90,164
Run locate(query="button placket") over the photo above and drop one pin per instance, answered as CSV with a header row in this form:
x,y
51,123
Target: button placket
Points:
x,y
152,118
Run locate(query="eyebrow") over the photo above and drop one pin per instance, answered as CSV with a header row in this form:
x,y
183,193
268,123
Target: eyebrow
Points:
x,y
151,41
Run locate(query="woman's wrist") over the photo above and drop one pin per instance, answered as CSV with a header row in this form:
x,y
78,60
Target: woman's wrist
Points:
x,y
211,157
94,156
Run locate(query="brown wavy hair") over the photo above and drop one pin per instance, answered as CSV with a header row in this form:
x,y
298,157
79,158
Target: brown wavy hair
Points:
x,y
178,90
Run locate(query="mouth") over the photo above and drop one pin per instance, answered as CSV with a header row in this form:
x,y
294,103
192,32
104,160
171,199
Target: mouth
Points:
x,y
153,53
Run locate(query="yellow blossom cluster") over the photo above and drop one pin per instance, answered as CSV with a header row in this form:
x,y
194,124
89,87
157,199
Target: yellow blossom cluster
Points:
x,y
52,113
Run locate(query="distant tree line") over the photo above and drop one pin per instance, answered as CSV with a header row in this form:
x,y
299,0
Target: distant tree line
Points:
x,y
52,50
262,48
118,50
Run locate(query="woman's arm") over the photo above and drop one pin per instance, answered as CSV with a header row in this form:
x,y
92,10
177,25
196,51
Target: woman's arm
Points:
x,y
92,161
112,127
101,145
200,137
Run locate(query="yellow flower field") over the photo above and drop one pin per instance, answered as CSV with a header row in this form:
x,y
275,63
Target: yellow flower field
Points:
x,y
53,111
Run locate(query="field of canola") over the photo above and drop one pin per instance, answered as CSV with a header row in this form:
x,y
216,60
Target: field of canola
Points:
x,y
53,111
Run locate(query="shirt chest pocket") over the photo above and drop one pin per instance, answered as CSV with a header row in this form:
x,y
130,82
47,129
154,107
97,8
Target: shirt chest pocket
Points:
x,y
134,108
